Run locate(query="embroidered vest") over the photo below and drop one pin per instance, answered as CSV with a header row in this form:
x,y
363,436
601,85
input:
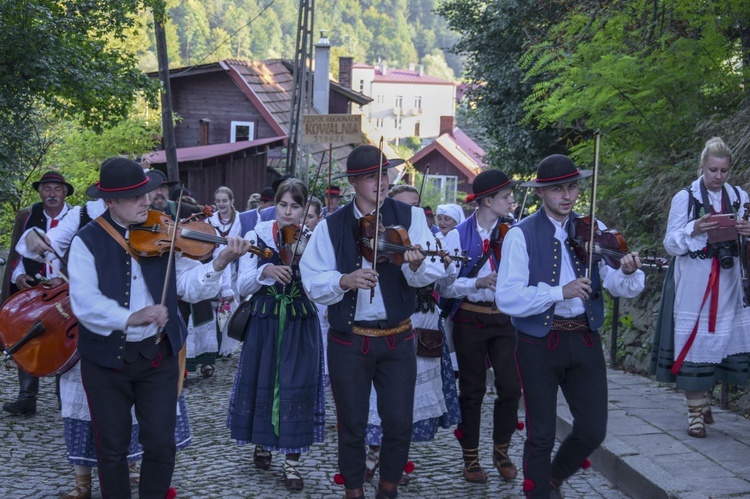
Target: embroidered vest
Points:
x,y
113,268
545,258
399,298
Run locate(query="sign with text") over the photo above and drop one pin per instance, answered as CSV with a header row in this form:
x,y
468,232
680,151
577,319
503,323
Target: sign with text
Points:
x,y
326,128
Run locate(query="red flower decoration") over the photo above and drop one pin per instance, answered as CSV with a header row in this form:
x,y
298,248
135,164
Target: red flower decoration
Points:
x,y
458,433
171,493
409,467
338,479
520,426
586,464
528,485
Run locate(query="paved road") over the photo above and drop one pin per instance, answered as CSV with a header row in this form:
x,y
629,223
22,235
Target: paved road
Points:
x,y
35,465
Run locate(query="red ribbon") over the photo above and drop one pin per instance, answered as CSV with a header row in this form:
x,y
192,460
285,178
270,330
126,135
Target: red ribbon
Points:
x,y
711,289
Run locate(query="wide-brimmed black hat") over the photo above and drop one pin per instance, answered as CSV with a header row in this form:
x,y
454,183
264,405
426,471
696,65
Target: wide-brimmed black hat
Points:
x,y
366,159
488,182
557,169
333,191
276,183
162,178
267,194
122,178
53,177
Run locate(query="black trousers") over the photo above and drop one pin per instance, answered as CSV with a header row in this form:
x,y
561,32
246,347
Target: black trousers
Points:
x,y
28,385
475,337
150,384
573,361
355,364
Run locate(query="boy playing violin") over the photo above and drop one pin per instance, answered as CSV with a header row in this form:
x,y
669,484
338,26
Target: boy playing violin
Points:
x,y
368,346
557,310
481,329
128,341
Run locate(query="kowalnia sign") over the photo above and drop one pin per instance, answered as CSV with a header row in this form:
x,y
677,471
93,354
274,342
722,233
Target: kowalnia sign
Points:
x,y
344,128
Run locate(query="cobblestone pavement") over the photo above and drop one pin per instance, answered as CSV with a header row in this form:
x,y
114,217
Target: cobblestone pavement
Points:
x,y
35,464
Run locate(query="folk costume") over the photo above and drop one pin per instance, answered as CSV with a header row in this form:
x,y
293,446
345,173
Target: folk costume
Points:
x,y
703,331
558,340
124,366
369,344
481,331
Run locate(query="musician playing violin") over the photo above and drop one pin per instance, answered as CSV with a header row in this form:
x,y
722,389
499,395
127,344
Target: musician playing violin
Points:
x,y
370,342
278,401
128,340
481,329
557,311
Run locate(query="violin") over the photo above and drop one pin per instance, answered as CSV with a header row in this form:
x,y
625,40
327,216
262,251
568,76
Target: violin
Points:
x,y
498,236
292,243
39,330
196,240
609,245
393,242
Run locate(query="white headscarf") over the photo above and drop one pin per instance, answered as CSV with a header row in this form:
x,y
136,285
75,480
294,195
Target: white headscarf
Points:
x,y
452,210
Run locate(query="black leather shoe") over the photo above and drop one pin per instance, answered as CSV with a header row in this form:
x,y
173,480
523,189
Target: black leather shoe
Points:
x,y
21,406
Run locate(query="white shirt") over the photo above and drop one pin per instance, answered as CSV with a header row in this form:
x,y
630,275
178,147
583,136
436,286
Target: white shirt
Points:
x,y
102,315
53,266
248,276
321,278
516,298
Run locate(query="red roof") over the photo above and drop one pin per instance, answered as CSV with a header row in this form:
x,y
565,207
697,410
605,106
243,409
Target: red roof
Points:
x,y
407,76
461,155
201,153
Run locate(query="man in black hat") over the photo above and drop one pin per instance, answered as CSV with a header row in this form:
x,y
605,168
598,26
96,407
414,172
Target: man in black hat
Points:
x,y
430,216
333,198
481,330
557,310
21,273
128,340
371,341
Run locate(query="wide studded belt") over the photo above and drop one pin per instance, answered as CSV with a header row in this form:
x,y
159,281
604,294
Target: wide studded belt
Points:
x,y
560,324
482,307
376,332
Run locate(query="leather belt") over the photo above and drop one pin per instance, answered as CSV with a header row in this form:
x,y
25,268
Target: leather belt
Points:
x,y
376,332
573,325
482,307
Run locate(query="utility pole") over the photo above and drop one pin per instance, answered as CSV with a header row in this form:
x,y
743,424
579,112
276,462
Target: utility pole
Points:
x,y
170,145
301,90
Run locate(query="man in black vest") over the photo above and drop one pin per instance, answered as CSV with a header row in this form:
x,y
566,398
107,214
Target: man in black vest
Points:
x,y
481,329
128,341
22,273
557,309
371,341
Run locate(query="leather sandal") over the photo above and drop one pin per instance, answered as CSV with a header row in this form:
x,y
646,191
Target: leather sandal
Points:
x,y
135,474
696,423
82,489
292,478
473,471
372,462
261,458
207,370
502,462
708,416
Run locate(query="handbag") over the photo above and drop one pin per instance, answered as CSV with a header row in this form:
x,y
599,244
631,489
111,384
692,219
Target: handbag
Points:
x,y
240,320
429,342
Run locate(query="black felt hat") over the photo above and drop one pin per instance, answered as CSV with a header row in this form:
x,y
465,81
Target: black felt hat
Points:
x,y
122,178
557,169
333,191
162,178
276,183
366,159
489,182
53,177
267,194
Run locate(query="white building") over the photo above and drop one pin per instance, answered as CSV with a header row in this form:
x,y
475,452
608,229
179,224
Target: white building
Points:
x,y
406,102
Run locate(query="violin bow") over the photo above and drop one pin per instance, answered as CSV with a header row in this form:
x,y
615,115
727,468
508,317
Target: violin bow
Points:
x,y
330,167
48,261
523,203
170,261
309,195
424,181
592,211
377,215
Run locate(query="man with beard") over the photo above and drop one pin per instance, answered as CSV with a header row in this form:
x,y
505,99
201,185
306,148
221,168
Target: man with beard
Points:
x,y
22,273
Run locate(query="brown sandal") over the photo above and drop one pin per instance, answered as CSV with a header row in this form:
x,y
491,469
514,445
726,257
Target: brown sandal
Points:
x,y
502,462
82,489
473,471
696,423
292,478
261,458
372,462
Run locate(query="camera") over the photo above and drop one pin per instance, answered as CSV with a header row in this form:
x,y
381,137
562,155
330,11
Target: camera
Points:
x,y
725,251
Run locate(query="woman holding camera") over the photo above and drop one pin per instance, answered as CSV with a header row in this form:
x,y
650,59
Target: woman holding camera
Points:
x,y
711,326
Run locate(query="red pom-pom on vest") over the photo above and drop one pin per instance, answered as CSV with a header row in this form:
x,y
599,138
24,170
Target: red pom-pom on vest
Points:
x,y
520,426
458,433
338,479
586,464
409,467
171,493
528,485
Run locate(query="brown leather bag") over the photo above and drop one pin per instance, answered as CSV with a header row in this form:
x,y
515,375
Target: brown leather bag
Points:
x,y
429,342
239,321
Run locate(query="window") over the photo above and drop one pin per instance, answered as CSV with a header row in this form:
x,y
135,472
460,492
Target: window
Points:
x,y
399,101
381,99
446,186
379,123
361,86
242,130
418,103
416,129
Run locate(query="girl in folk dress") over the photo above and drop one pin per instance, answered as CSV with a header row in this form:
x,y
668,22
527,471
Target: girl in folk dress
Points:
x,y
711,331
277,401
